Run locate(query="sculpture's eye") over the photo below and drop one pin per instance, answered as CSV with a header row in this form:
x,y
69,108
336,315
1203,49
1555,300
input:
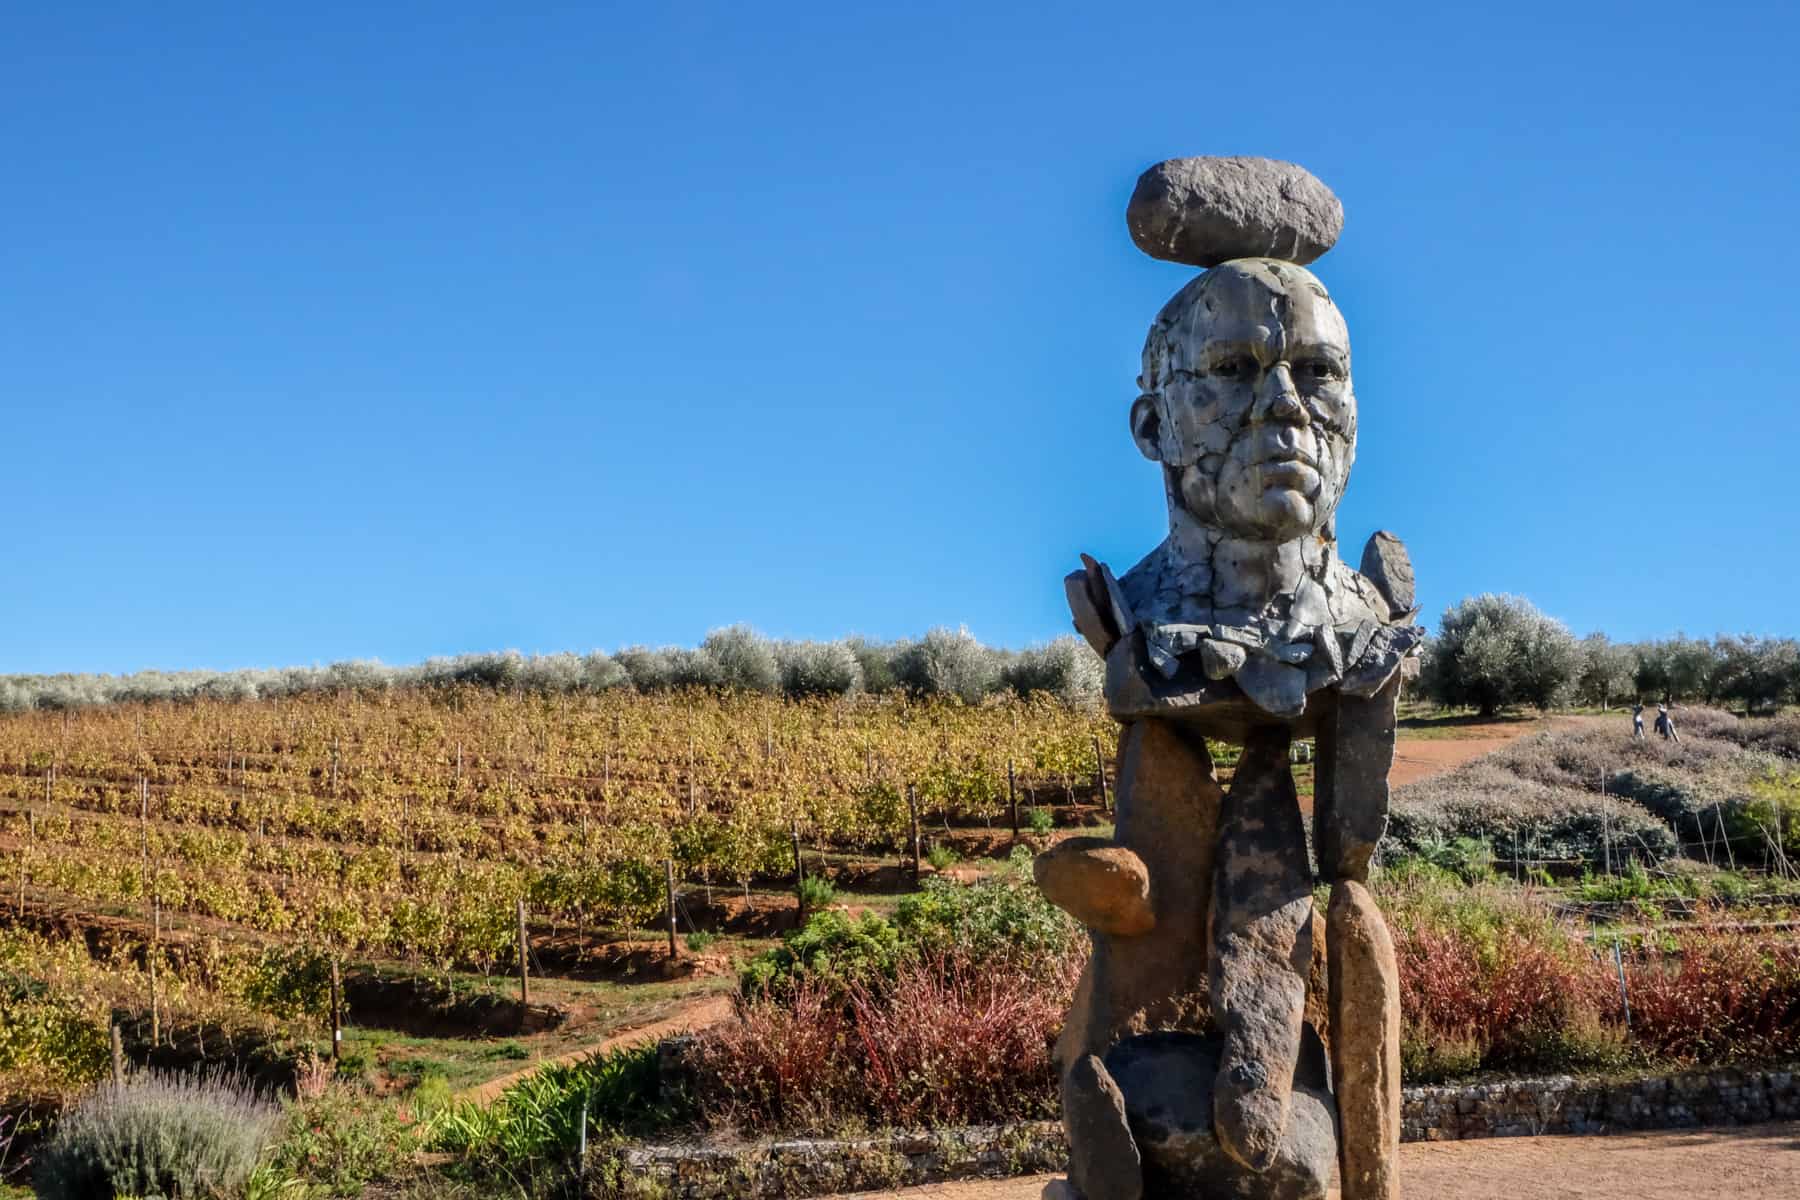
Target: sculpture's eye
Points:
x,y
1233,366
1316,370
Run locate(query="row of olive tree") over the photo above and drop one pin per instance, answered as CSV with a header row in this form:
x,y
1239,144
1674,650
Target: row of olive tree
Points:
x,y
944,662
1492,651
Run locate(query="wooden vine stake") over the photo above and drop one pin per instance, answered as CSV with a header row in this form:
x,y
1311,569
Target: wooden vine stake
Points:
x,y
1100,775
524,954
912,809
799,867
150,962
669,874
337,1011
1012,797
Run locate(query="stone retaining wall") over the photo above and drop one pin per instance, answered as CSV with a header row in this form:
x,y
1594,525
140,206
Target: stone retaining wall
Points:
x,y
776,1170
1525,1107
1520,1107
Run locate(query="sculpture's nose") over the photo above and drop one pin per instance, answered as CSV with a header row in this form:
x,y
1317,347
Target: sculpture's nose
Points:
x,y
1279,399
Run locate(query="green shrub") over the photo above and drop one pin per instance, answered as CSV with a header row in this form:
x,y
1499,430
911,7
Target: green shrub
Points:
x,y
1470,859
158,1134
293,982
1041,821
816,893
700,941
831,946
342,1140
48,1035
984,920
430,1094
942,857
539,1119
991,919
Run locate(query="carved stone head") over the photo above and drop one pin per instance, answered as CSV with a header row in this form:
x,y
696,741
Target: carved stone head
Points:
x,y
1247,401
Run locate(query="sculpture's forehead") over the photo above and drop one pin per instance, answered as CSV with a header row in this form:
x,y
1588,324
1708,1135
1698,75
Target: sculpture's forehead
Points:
x,y
1255,300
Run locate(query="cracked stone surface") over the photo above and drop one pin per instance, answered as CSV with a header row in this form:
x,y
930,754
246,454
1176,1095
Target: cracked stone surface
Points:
x,y
1247,405
1209,1029
1262,951
1205,211
1103,1156
1167,1080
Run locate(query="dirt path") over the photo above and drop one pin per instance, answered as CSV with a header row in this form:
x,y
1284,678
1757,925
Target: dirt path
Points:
x,y
1421,758
1417,758
1758,1160
700,1014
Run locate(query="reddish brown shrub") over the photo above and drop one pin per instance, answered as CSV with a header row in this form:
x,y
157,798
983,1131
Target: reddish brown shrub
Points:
x,y
1721,995
944,1043
1510,1000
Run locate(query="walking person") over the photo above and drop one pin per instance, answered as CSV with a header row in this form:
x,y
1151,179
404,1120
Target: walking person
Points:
x,y
1665,725
1637,722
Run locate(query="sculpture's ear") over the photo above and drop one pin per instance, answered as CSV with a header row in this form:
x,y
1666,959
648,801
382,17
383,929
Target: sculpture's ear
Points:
x,y
1146,426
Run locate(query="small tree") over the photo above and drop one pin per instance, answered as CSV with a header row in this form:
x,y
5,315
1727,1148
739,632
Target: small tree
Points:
x,y
1758,672
1678,668
746,660
1549,661
1608,670
1494,650
948,663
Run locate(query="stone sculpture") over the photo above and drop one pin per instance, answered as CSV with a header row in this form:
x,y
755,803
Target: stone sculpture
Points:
x,y
1225,1040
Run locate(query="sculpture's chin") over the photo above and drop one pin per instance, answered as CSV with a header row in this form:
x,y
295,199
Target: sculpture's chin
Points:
x,y
1285,514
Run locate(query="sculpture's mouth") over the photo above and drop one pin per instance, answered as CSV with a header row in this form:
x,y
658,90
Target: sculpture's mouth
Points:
x,y
1295,472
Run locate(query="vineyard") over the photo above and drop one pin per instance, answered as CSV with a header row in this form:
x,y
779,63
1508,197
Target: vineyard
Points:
x,y
410,823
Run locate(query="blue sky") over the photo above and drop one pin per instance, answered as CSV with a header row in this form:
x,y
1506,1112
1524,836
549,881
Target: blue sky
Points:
x,y
396,330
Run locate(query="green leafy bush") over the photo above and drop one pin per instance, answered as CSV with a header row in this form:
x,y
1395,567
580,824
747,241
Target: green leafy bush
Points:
x,y
942,857
975,923
158,1134
47,1035
342,1140
291,982
816,893
829,946
539,1119
984,920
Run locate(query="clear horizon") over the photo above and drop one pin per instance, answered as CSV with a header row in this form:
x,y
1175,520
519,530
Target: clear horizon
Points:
x,y
426,331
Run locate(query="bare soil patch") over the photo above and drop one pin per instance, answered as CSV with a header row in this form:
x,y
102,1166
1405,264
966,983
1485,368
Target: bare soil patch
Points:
x,y
1757,1160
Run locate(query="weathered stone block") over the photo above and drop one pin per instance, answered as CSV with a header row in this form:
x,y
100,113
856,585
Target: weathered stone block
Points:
x,y
1168,1081
1365,1042
1100,883
1205,211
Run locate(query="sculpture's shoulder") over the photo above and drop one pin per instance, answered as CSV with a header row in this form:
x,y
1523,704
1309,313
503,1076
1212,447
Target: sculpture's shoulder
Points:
x,y
1149,584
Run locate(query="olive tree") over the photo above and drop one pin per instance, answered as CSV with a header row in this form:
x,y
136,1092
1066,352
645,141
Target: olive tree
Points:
x,y
1758,672
1494,650
1608,670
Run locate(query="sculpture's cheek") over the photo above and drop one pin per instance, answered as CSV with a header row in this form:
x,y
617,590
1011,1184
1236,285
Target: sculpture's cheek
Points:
x,y
1202,416
1198,490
